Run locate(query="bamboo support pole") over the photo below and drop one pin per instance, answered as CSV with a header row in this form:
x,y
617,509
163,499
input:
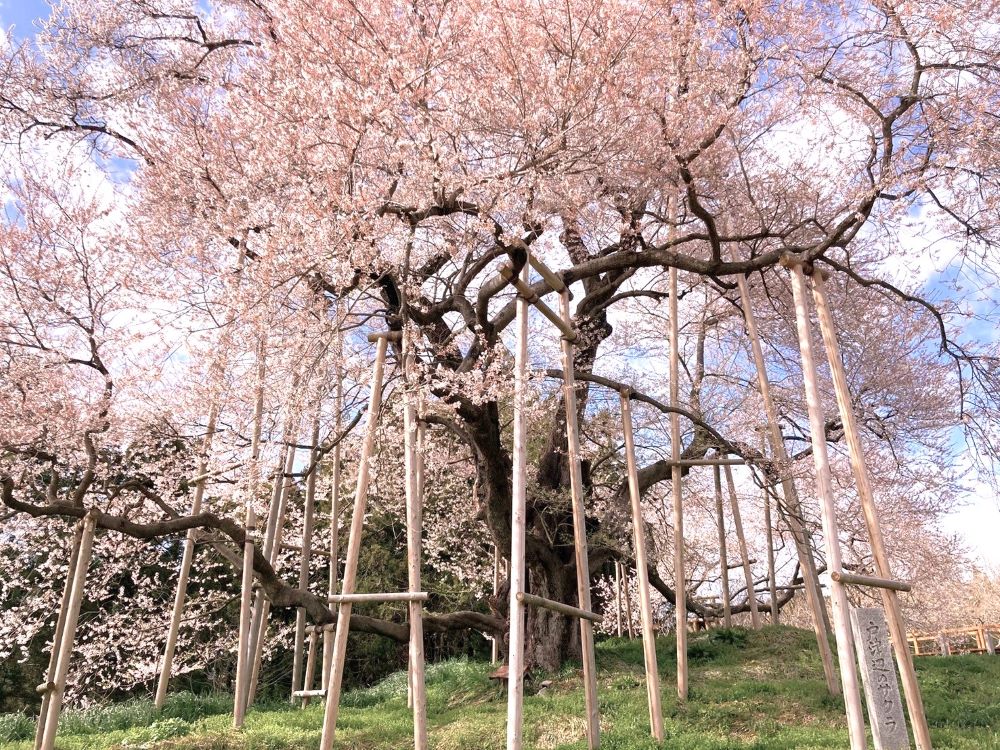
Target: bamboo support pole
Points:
x,y
187,559
57,687
824,490
871,581
414,505
800,534
546,273
308,522
515,658
339,649
579,531
680,584
897,628
381,597
741,539
618,598
642,571
727,611
59,632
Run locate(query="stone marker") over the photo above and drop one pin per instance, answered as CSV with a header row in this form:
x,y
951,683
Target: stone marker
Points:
x,y
878,675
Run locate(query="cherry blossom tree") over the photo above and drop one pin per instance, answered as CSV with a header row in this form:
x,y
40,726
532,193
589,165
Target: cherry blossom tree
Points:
x,y
297,174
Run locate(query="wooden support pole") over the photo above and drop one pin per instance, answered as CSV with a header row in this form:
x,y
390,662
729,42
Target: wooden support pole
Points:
x,y
744,554
524,292
495,642
57,687
414,512
642,572
338,407
897,628
308,522
187,558
272,546
772,583
618,598
628,603
686,462
680,584
581,558
546,273
310,676
570,611
59,632
339,650
824,490
727,611
800,534
243,655
872,581
519,492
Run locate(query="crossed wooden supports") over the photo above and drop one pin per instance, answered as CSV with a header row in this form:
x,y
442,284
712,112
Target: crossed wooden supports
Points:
x,y
335,644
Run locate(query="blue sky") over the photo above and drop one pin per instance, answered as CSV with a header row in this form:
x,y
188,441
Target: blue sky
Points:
x,y
20,14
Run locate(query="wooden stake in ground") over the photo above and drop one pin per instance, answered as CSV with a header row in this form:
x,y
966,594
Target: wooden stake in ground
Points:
x,y
628,603
742,541
579,531
800,534
56,689
308,521
515,657
727,612
58,633
353,549
618,598
187,558
495,642
894,617
824,491
414,502
642,572
338,406
772,584
675,482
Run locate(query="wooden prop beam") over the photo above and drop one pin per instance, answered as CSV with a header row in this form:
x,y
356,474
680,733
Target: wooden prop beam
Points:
x,y
243,655
831,532
524,291
494,641
310,676
675,482
618,598
550,276
519,492
581,558
540,601
642,572
338,407
628,603
772,583
705,461
46,688
414,519
800,534
380,597
871,581
308,522
741,539
339,650
56,688
187,558
727,611
897,628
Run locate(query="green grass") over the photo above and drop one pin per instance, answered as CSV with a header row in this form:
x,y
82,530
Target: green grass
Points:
x,y
749,690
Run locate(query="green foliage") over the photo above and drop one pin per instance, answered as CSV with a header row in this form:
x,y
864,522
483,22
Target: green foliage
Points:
x,y
751,690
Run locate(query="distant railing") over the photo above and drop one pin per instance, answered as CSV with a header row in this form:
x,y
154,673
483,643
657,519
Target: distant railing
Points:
x,y
976,639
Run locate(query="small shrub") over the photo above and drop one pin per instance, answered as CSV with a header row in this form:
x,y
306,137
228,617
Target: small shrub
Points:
x,y
16,727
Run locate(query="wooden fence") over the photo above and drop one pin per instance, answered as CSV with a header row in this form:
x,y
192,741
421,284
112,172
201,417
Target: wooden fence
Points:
x,y
977,639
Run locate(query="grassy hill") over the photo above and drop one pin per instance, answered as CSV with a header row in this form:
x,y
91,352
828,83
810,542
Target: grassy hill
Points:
x,y
752,690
